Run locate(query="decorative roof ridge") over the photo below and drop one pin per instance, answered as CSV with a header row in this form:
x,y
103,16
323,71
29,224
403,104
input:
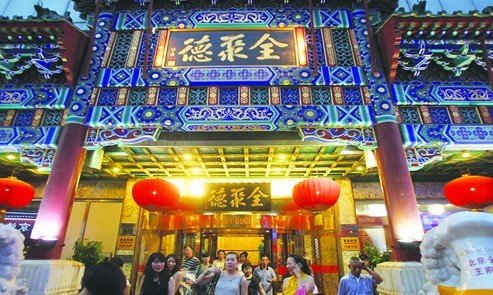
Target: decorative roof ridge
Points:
x,y
421,12
42,14
440,25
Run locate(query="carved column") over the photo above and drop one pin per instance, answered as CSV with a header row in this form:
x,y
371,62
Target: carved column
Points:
x,y
400,200
58,197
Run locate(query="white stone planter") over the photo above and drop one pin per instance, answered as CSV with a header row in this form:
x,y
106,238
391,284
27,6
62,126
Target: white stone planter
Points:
x,y
52,276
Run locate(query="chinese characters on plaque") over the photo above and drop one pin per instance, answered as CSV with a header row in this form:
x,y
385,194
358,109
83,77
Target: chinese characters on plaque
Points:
x,y
237,197
350,244
22,221
222,48
480,260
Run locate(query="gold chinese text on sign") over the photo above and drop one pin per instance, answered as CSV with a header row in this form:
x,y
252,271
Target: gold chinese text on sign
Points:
x,y
192,48
237,197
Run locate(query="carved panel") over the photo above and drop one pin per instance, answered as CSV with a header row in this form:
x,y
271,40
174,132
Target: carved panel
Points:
x,y
100,190
373,191
345,204
130,212
367,191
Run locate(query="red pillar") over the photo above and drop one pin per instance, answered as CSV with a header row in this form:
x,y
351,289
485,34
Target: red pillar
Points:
x,y
400,200
58,198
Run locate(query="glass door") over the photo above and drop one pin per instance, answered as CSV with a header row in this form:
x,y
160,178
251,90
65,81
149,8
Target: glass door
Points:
x,y
292,243
208,243
189,238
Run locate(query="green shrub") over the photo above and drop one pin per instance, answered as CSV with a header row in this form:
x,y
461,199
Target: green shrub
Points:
x,y
375,255
88,252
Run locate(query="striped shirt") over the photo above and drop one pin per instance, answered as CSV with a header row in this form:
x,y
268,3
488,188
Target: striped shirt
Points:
x,y
190,264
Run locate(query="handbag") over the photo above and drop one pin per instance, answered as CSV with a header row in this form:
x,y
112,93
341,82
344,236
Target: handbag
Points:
x,y
212,287
300,290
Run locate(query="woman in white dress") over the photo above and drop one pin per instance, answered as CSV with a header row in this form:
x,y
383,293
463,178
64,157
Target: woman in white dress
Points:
x,y
220,259
228,281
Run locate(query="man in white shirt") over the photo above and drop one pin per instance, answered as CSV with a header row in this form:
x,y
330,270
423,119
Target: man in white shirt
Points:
x,y
266,275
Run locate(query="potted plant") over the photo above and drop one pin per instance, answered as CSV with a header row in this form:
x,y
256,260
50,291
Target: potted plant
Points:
x,y
375,255
88,252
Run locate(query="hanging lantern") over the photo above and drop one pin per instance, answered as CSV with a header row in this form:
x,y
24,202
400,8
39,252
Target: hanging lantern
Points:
x,y
290,206
185,206
300,222
474,192
316,194
155,194
15,193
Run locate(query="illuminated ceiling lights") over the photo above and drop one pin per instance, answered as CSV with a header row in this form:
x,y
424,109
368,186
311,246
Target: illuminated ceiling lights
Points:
x,y
301,46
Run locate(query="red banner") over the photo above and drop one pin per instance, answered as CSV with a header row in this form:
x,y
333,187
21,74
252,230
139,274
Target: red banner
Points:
x,y
325,268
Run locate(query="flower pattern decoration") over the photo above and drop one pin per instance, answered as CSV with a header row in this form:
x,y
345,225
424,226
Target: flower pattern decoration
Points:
x,y
312,114
149,114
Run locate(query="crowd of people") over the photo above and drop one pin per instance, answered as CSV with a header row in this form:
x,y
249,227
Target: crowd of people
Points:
x,y
229,274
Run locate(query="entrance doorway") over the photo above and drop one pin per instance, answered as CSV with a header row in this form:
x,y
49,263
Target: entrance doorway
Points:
x,y
254,241
277,236
276,244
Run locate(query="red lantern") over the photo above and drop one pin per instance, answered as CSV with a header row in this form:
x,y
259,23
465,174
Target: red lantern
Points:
x,y
290,206
155,194
15,193
316,194
468,191
300,222
185,206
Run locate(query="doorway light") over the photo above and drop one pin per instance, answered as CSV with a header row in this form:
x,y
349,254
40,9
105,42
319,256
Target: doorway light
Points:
x,y
351,150
196,188
377,210
282,187
301,46
436,209
370,160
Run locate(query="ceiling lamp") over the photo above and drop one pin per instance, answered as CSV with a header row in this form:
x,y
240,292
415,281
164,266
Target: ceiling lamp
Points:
x,y
155,194
15,193
316,194
474,192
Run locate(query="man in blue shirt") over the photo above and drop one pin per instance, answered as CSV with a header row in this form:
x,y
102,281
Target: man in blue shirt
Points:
x,y
354,283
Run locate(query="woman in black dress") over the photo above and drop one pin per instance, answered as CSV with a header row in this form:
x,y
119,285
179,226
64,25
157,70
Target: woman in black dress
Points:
x,y
156,280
